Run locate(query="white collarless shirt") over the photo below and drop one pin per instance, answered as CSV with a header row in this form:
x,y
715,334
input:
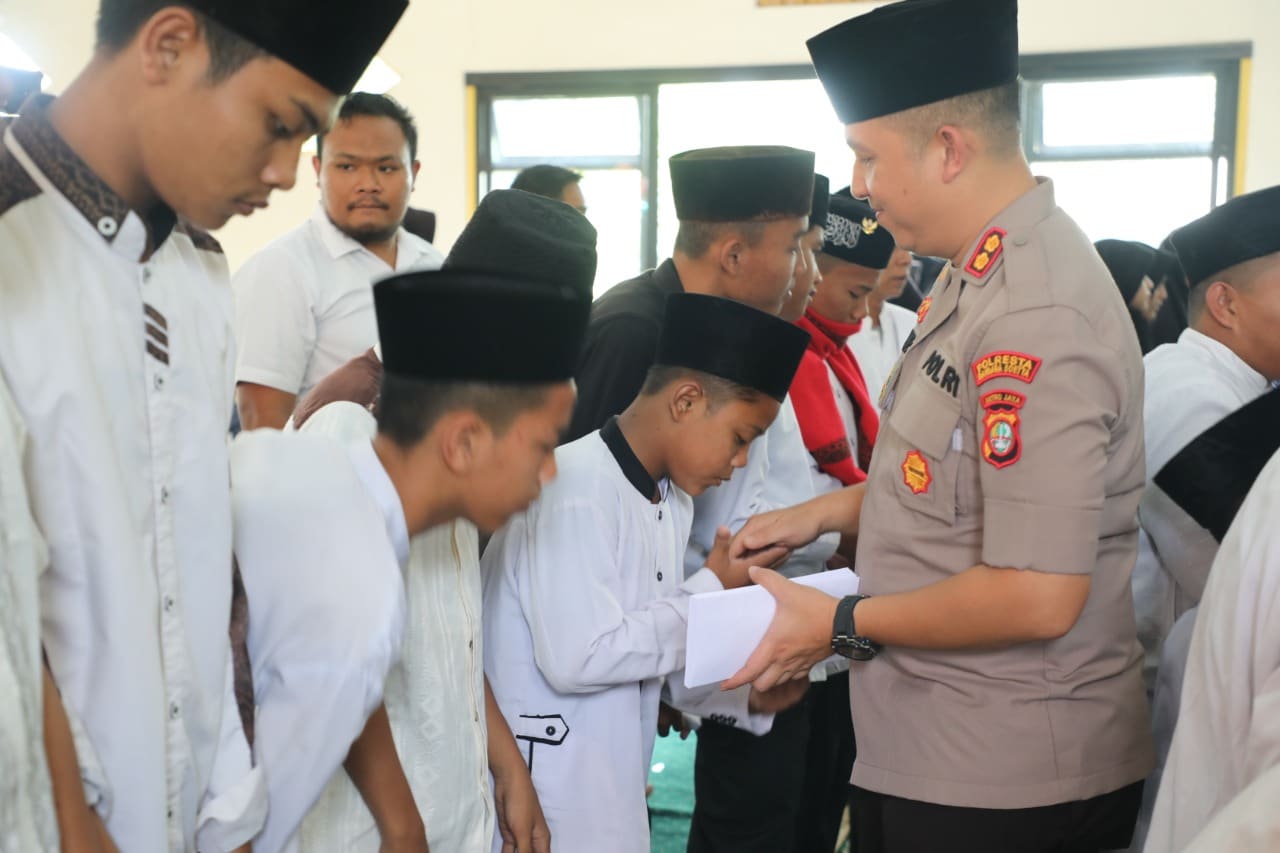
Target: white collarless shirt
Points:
x,y
434,695
304,304
27,822
320,537
120,366
877,346
1190,386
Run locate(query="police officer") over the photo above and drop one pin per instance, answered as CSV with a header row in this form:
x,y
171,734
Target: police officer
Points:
x,y
999,701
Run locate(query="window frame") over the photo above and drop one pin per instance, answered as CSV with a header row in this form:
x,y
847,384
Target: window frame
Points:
x,y
1223,60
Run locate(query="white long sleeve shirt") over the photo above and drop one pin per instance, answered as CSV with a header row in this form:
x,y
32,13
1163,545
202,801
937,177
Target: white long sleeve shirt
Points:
x,y
27,822
119,363
585,611
320,536
434,695
1227,742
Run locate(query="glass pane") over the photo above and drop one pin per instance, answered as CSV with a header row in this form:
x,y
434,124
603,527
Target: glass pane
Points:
x,y
1140,111
1132,199
754,112
559,128
615,206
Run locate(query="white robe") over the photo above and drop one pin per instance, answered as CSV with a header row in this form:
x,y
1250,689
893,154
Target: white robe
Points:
x,y
1228,734
320,536
585,608
434,695
878,346
1190,386
26,800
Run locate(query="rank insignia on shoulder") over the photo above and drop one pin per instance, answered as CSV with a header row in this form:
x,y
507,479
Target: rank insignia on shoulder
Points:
x,y
1006,364
923,310
915,473
988,251
869,225
1001,442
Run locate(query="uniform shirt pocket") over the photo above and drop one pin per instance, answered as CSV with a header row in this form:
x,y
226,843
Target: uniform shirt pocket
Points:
x,y
927,418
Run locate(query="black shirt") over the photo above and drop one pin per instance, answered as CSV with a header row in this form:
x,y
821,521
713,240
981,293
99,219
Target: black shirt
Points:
x,y
622,339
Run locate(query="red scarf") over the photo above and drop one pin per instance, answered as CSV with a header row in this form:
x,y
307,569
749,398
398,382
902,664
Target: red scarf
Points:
x,y
825,435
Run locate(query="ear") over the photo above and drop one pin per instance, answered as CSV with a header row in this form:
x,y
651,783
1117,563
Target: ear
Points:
x,y
465,441
684,401
728,253
169,43
955,149
315,164
1221,303
413,173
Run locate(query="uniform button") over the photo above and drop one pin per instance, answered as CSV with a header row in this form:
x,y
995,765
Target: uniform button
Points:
x,y
659,515
164,494
168,603
471,644
551,730
158,382
168,813
174,711
107,227
659,575
1020,240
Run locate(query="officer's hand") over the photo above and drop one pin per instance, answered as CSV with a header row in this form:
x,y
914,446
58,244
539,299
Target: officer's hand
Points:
x,y
669,718
798,637
732,571
779,698
789,528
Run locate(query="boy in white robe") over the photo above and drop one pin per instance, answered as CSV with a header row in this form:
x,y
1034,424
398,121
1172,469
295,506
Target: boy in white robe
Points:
x,y
585,601
322,529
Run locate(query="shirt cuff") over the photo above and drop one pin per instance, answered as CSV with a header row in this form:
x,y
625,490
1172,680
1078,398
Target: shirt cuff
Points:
x,y
703,580
1052,539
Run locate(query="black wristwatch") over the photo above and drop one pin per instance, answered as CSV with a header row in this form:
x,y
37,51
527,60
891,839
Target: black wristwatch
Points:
x,y
844,636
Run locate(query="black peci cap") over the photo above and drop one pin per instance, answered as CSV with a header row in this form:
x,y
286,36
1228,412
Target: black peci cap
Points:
x,y
731,340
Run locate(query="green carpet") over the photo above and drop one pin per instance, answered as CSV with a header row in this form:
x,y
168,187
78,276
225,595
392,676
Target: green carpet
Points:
x,y
671,804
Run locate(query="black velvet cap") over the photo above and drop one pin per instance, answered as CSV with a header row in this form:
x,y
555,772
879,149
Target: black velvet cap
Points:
x,y
1244,228
731,340
330,41
518,233
741,183
821,201
1129,261
916,52
854,235
462,325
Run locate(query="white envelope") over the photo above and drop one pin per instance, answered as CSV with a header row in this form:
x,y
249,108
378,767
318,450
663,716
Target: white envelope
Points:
x,y
726,626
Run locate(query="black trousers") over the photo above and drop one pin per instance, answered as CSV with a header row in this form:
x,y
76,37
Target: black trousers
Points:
x,y
782,792
886,824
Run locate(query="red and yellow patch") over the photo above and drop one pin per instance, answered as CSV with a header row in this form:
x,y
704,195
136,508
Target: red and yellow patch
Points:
x,y
923,310
915,473
1001,442
1007,364
988,251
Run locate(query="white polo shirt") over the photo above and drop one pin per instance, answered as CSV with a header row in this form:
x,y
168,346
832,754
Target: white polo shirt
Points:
x,y
304,304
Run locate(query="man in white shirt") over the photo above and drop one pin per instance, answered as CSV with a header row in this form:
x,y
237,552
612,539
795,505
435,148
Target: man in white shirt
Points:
x,y
304,304
323,530
1219,787
128,468
1224,360
437,697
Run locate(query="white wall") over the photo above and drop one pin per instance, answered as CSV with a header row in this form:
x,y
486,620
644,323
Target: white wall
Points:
x,y
440,41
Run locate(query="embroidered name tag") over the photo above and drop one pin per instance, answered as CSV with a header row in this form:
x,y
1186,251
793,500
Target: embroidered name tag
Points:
x,y
1006,364
1001,443
942,374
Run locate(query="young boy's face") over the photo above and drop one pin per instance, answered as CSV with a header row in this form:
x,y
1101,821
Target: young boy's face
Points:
x,y
517,464
714,440
842,292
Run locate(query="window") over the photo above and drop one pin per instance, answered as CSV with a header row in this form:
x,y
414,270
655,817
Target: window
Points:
x,y
1137,142
19,76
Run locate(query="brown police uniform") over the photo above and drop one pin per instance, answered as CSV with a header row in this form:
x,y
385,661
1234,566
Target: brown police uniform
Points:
x,y
1011,436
